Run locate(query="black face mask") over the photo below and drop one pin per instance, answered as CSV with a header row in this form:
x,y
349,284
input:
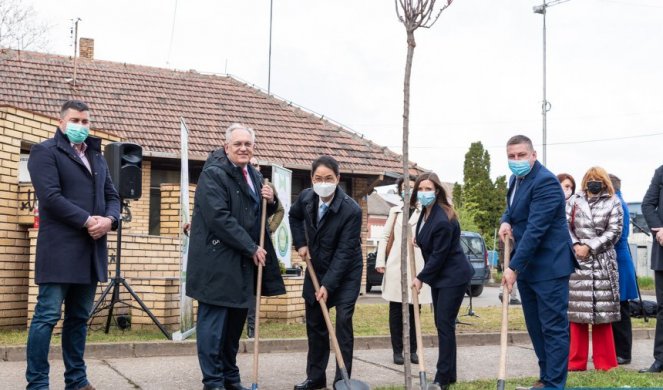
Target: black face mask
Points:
x,y
594,187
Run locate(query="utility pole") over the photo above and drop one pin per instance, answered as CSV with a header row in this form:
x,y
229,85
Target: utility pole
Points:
x,y
269,65
545,105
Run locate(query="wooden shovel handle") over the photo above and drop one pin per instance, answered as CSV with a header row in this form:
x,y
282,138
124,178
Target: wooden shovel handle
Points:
x,y
256,329
325,313
505,314
415,299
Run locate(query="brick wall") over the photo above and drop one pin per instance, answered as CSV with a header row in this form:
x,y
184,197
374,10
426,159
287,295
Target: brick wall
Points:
x,y
288,308
170,208
151,266
359,188
18,129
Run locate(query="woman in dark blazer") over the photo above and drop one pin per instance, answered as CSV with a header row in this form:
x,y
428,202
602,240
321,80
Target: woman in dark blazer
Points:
x,y
446,269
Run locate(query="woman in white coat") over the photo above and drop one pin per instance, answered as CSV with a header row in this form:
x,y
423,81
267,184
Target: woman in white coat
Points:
x,y
390,265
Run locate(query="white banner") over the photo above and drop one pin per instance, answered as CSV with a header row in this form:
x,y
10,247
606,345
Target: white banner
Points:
x,y
282,238
187,326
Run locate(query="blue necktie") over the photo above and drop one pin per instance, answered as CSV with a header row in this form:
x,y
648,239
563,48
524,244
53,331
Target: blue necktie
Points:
x,y
322,211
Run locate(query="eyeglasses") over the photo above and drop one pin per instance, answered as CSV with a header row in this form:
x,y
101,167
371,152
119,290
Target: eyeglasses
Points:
x,y
239,145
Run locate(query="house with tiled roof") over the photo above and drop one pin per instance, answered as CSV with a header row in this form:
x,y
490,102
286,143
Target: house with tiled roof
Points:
x,y
143,105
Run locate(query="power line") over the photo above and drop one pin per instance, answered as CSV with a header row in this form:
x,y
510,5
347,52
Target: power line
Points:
x,y
551,143
632,4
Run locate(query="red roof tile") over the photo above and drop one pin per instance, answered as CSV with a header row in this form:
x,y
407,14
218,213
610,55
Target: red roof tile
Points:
x,y
143,105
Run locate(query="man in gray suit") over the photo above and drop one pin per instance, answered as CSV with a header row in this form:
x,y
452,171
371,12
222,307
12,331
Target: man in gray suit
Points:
x,y
652,208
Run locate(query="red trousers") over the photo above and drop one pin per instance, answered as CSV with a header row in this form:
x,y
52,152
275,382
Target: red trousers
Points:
x,y
603,347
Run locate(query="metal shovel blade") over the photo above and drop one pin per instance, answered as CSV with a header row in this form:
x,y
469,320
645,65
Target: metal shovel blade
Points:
x,y
424,385
431,386
353,383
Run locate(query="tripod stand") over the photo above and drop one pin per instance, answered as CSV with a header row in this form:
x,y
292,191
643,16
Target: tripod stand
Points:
x,y
115,283
470,311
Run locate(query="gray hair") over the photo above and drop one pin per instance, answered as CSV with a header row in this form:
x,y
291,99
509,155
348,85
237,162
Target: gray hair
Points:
x,y
520,139
239,126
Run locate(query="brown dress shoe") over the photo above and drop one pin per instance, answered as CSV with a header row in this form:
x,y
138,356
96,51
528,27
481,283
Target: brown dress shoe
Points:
x,y
87,387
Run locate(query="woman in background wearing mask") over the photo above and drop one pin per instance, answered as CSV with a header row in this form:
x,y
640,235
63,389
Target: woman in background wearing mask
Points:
x,y
568,184
446,270
595,223
390,265
326,228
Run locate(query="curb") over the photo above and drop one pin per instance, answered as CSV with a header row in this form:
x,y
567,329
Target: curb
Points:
x,y
185,348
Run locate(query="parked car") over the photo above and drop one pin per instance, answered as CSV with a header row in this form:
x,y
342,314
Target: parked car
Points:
x,y
475,250
373,277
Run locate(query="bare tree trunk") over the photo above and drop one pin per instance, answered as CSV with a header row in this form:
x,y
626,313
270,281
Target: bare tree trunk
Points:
x,y
405,283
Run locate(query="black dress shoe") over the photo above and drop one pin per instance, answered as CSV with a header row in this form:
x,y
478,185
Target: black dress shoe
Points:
x,y
398,359
205,387
310,385
655,367
414,358
235,386
250,332
623,361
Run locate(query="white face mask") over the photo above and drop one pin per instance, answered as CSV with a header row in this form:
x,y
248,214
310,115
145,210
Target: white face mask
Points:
x,y
567,193
324,189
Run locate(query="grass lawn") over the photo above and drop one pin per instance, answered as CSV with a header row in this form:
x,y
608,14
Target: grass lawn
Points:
x,y
369,320
646,283
616,378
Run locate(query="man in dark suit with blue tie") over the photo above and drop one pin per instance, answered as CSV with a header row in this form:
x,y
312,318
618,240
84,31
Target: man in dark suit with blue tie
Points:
x,y
542,259
326,228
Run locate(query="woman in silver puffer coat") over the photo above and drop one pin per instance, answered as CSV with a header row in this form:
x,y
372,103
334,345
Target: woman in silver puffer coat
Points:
x,y
595,219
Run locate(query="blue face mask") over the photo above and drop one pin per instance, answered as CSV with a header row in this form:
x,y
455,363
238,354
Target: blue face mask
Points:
x,y
520,168
426,198
76,132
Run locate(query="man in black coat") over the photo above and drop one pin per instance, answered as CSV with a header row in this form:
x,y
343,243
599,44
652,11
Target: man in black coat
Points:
x,y
224,254
326,227
78,205
652,209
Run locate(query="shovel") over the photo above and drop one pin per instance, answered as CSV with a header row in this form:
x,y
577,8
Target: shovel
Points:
x,y
423,383
256,329
346,383
501,376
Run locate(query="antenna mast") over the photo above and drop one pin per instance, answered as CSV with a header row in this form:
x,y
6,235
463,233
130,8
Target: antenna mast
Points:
x,y
75,31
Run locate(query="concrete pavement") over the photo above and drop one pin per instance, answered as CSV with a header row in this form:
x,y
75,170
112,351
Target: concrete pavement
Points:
x,y
280,371
169,365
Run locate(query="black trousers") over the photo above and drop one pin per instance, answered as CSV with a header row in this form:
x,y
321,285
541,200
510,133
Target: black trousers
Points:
x,y
622,332
218,331
251,316
318,340
396,328
658,338
446,303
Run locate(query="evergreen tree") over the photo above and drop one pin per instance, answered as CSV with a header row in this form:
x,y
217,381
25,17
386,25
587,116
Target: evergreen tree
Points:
x,y
480,198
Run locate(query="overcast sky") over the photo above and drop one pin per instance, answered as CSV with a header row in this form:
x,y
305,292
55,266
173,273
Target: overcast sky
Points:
x,y
477,73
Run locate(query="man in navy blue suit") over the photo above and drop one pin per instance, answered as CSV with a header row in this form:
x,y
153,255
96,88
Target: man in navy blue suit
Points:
x,y
542,259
